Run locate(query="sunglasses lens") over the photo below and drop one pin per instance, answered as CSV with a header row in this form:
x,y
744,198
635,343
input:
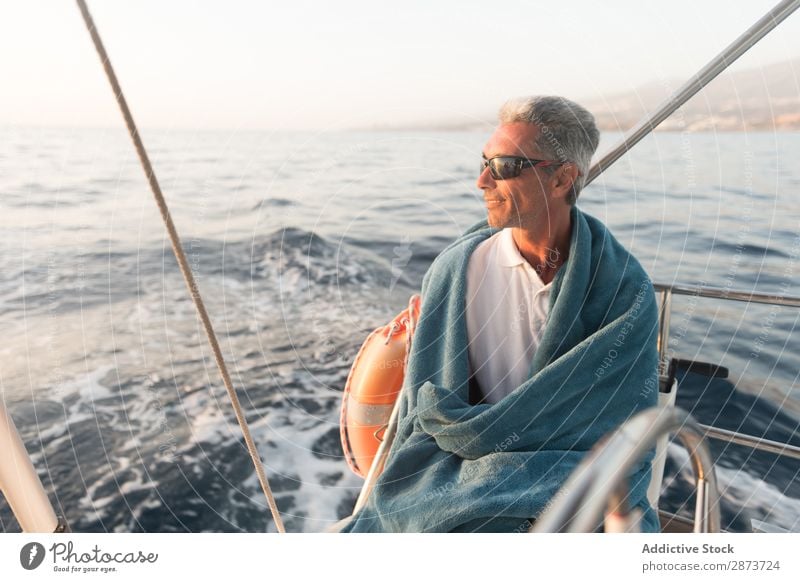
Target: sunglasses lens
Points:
x,y
504,168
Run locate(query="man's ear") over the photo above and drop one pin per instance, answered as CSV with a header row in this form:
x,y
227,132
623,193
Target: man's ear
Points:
x,y
563,179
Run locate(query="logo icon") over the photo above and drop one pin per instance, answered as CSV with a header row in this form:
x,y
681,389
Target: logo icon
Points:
x,y
31,555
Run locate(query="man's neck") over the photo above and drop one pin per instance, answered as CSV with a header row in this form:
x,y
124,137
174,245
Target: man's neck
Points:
x,y
546,250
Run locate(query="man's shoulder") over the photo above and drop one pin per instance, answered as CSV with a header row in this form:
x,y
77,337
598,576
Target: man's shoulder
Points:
x,y
611,253
478,226
618,275
468,241
453,260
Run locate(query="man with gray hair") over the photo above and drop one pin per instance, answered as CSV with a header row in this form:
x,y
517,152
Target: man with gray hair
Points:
x,y
534,166
537,337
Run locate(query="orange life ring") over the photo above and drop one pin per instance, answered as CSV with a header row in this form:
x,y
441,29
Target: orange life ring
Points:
x,y
372,388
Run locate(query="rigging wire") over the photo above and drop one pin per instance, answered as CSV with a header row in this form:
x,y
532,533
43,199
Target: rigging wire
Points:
x,y
177,249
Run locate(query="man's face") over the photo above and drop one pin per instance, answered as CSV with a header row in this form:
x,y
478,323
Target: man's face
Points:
x,y
524,201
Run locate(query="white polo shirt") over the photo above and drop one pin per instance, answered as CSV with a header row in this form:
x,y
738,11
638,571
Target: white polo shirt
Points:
x,y
507,306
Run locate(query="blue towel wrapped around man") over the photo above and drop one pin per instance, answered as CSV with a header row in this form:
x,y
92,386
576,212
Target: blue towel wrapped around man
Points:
x,y
457,467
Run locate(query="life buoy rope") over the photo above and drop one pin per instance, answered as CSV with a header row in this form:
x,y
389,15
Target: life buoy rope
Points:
x,y
373,386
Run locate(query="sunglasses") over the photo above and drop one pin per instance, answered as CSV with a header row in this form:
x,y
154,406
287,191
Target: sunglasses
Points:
x,y
505,167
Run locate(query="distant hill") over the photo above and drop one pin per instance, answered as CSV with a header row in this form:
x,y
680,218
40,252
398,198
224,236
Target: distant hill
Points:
x,y
765,98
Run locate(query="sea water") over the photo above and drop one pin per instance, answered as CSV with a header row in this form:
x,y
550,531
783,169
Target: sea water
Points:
x,y
301,244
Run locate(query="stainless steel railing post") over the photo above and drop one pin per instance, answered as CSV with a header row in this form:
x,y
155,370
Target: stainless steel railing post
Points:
x,y
600,481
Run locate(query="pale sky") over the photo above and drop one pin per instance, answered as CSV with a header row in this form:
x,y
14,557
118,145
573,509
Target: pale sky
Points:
x,y
298,64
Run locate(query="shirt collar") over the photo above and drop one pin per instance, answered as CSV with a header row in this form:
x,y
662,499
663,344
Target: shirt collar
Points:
x,y
508,253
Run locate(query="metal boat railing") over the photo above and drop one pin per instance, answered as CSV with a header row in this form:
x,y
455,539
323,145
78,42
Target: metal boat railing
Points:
x,y
600,481
667,291
783,450
665,309
760,444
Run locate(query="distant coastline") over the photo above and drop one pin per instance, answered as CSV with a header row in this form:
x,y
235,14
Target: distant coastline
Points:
x,y
762,99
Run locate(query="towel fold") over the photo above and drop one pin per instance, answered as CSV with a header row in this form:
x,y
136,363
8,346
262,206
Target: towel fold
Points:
x,y
458,467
